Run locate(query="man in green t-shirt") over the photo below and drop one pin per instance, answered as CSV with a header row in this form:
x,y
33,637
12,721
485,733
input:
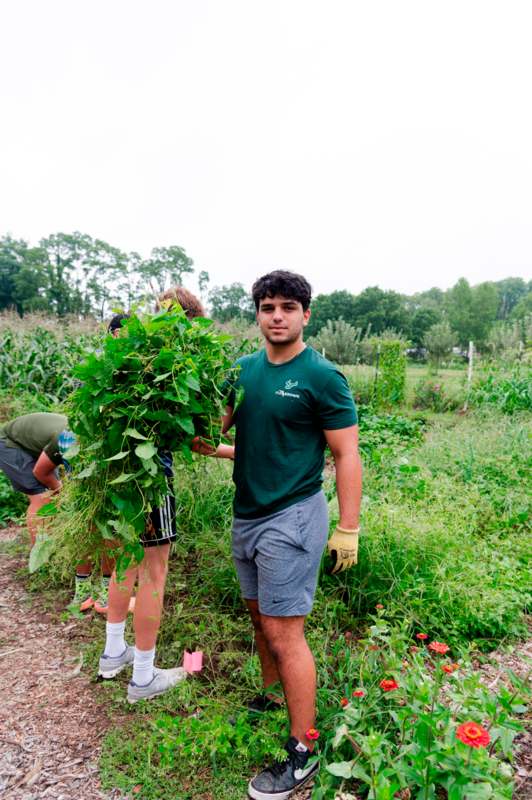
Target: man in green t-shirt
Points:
x,y
30,455
294,404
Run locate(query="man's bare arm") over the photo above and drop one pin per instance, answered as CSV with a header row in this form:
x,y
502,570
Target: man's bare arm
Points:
x,y
202,447
44,471
343,444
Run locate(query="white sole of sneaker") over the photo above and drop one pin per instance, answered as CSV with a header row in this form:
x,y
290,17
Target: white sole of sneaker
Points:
x,y
148,697
255,794
111,673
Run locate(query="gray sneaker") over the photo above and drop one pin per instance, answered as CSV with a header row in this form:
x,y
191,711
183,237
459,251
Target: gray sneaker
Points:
x,y
163,679
110,666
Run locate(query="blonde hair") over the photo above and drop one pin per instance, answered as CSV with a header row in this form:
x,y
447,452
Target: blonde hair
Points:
x,y
190,304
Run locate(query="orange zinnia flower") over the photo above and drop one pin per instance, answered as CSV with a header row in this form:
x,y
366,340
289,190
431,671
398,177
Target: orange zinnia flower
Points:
x,y
473,734
388,685
449,668
344,702
438,647
312,734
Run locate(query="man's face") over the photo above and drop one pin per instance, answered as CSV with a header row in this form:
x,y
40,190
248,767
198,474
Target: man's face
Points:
x,y
281,320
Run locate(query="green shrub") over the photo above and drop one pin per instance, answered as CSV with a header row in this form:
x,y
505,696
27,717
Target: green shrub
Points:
x,y
391,378
339,341
12,504
432,395
362,387
389,432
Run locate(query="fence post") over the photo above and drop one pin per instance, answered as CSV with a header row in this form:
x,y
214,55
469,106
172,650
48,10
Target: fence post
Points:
x,y
469,372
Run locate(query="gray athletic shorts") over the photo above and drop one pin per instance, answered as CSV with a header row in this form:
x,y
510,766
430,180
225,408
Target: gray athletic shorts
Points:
x,y
18,466
277,558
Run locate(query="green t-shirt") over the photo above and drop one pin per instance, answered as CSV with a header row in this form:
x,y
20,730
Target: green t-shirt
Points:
x,y
279,444
35,433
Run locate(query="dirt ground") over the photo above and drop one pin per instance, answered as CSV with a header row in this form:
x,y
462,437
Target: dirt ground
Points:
x,y
51,723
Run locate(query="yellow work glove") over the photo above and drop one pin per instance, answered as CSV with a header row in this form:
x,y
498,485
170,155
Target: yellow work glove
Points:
x,y
343,548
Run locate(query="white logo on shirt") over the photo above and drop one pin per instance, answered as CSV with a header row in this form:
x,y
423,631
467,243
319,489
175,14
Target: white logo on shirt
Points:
x,y
288,385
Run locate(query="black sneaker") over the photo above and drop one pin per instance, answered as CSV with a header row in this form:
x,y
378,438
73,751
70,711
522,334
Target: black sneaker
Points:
x,y
262,703
284,777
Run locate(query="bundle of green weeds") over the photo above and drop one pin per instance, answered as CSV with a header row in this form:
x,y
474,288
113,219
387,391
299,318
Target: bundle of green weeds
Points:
x,y
148,392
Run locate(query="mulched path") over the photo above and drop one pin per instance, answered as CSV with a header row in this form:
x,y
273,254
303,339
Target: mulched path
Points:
x,y
51,720
51,723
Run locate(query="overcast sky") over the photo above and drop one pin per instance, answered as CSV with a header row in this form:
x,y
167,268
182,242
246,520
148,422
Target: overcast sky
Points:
x,y
359,143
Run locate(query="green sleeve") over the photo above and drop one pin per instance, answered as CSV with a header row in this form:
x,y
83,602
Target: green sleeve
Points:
x,y
336,407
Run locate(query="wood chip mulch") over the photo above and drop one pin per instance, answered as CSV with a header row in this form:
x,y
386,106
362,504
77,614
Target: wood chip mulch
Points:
x,y
51,725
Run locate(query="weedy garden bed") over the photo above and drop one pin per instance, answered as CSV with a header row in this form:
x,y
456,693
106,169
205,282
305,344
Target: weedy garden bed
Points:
x,y
446,521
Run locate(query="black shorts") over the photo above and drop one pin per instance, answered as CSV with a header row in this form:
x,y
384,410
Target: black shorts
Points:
x,y
18,465
161,528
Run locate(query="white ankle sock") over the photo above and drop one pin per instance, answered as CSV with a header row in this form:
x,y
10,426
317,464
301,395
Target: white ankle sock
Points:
x,y
143,666
115,644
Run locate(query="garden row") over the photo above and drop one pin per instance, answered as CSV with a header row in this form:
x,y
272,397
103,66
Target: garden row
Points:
x,y
446,516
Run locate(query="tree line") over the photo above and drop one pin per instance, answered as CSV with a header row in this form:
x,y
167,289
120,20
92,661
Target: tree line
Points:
x,y
77,274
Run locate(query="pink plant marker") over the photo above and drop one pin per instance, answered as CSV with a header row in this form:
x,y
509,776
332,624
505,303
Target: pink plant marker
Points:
x,y
193,662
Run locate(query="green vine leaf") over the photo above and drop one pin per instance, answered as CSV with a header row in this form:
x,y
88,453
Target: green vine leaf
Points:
x,y
145,451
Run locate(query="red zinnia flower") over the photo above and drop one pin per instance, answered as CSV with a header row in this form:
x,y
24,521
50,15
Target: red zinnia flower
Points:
x,y
388,685
449,668
438,647
312,734
473,734
344,702
358,693
379,606
422,636
414,649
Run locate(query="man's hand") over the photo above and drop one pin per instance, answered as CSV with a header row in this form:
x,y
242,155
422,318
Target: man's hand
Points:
x,y
202,447
343,548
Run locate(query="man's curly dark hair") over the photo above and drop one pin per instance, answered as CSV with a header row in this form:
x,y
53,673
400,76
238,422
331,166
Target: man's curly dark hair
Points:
x,y
284,283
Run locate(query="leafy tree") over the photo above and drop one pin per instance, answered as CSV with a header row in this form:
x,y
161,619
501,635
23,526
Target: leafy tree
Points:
x,y
431,298
231,302
166,267
523,308
458,302
20,276
421,321
439,341
203,282
510,291
339,340
337,305
376,310
484,305
80,273
472,311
